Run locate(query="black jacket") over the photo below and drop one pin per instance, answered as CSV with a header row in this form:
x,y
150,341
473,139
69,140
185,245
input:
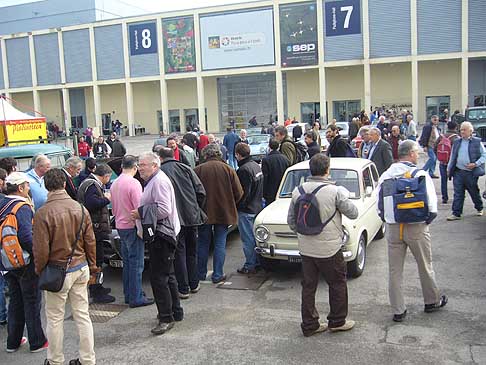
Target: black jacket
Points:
x,y
382,156
191,140
70,187
353,130
118,149
273,168
189,192
251,180
337,148
313,149
90,194
426,133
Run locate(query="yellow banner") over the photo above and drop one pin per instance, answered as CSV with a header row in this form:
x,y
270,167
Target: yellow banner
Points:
x,y
25,130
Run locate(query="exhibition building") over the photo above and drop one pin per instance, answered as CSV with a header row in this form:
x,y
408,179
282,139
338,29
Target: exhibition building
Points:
x,y
266,60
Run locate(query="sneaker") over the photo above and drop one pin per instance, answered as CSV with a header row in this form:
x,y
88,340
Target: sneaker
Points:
x,y
103,299
162,328
42,348
345,327
322,328
183,295
399,317
23,341
246,271
434,176
453,217
144,303
74,362
220,280
429,308
196,289
479,213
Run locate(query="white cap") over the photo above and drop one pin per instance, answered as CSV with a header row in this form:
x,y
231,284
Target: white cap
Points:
x,y
16,178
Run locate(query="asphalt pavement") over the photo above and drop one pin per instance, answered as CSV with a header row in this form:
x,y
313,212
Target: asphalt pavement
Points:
x,y
262,326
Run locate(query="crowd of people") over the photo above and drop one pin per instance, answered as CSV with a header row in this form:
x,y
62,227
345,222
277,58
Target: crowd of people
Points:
x,y
180,198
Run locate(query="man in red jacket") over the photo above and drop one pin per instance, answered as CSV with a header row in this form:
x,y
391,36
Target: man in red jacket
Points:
x,y
203,142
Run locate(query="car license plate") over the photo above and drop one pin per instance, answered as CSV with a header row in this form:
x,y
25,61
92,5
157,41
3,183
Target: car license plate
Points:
x,y
116,263
295,260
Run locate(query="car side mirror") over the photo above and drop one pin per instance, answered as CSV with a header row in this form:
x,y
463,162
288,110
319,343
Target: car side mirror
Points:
x,y
368,191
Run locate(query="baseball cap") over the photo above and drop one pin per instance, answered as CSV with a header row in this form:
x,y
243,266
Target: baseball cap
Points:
x,y
16,178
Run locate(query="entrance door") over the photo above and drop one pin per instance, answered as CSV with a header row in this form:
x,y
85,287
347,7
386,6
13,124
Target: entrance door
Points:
x,y
174,121
345,110
309,112
435,105
106,123
192,117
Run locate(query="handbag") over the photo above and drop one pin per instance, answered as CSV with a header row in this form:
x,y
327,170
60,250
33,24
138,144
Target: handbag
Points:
x,y
52,276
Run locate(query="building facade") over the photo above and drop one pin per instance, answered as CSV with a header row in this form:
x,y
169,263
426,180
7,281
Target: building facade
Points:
x,y
267,60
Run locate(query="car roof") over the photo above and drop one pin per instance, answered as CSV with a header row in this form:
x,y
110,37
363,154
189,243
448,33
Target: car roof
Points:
x,y
352,163
30,150
476,107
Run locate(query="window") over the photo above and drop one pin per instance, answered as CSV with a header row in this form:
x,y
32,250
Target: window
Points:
x,y
174,121
367,179
345,110
77,122
106,123
480,100
374,172
435,105
309,112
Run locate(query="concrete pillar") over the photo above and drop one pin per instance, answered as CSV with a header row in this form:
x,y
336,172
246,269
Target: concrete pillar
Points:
x,y
201,105
367,86
3,59
66,107
37,105
415,92
164,103
97,109
130,109
322,70
280,96
464,83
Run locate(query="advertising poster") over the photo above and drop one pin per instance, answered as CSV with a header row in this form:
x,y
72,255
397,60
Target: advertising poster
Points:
x,y
343,17
143,38
179,49
239,39
298,34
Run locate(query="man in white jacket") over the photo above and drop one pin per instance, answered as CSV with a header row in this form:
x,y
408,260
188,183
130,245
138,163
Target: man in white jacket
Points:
x,y
415,236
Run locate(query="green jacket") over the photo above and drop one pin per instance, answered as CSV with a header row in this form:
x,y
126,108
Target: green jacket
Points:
x,y
288,150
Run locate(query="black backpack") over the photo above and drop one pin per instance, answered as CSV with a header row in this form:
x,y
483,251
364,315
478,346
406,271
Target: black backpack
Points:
x,y
300,151
306,209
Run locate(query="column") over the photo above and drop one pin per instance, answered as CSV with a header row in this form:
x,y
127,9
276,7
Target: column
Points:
x,y
66,106
37,104
33,68
201,106
278,68
130,109
97,108
280,96
464,83
322,95
367,86
322,70
165,105
3,59
415,91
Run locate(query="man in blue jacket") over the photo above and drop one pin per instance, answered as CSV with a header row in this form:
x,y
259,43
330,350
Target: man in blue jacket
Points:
x,y
229,141
465,167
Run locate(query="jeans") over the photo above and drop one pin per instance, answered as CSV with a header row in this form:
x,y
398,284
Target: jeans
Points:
x,y
334,271
185,263
163,280
204,241
465,181
245,226
3,303
430,164
24,308
74,291
412,138
443,182
132,250
232,160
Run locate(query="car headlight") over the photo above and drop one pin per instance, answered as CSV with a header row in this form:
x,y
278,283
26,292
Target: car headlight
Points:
x,y
345,235
262,234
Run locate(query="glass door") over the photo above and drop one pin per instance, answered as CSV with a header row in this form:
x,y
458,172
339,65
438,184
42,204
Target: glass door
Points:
x,y
435,105
106,123
174,121
345,110
309,112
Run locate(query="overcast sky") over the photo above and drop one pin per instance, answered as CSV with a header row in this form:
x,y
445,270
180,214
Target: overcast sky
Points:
x,y
153,6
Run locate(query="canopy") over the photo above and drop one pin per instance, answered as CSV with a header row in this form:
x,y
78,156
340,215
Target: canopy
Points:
x,y
9,113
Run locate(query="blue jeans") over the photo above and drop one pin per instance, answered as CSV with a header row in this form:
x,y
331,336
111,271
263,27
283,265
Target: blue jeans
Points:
x,y
245,226
430,164
412,138
465,181
24,308
232,160
203,242
132,250
443,182
3,303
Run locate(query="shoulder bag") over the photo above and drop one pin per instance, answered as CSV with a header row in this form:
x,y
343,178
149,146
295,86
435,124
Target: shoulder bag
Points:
x,y
52,277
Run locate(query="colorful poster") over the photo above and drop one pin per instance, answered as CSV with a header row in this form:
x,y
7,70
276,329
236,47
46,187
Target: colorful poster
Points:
x,y
179,50
298,34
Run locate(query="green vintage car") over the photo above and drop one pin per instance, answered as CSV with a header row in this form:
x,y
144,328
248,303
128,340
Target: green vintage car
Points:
x,y
24,154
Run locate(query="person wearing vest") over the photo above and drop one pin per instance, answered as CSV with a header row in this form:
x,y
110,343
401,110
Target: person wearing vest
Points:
x,y
452,135
465,167
72,168
92,195
428,140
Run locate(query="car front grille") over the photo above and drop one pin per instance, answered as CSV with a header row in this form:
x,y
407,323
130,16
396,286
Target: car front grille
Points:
x,y
481,132
286,234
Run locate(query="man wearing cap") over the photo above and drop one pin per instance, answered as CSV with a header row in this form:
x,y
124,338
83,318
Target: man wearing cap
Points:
x,y
25,299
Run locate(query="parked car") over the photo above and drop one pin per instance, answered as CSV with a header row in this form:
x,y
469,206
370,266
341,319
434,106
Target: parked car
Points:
x,y
324,141
343,129
23,154
258,146
305,127
477,117
276,242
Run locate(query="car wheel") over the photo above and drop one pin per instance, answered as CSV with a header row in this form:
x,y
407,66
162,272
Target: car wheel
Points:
x,y
381,232
356,267
268,264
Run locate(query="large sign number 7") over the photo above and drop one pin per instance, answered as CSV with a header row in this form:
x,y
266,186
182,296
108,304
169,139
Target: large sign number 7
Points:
x,y
348,10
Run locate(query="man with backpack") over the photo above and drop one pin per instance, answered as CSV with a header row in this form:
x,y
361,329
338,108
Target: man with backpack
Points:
x,y
315,213
294,151
444,150
408,204
25,298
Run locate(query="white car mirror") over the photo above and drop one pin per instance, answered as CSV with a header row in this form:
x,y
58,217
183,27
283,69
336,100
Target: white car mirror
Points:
x,y
368,191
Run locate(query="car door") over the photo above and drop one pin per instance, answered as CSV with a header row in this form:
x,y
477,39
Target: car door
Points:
x,y
371,219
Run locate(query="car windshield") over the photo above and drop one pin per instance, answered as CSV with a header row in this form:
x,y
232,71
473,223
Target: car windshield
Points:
x,y
57,160
342,177
476,114
258,139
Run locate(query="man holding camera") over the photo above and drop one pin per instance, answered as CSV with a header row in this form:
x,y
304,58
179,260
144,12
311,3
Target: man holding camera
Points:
x,y
57,223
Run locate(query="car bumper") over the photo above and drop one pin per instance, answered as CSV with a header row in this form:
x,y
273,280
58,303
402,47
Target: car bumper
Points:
x,y
290,255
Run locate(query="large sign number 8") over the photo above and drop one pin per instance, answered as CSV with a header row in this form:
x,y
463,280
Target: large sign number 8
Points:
x,y
146,40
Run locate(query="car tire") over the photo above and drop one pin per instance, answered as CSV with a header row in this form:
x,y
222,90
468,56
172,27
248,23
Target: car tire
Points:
x,y
268,264
381,232
357,266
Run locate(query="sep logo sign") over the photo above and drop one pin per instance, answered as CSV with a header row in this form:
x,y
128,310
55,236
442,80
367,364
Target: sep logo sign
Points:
x,y
301,48
143,38
343,17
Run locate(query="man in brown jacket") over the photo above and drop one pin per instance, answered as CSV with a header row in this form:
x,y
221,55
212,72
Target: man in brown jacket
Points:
x,y
56,225
223,191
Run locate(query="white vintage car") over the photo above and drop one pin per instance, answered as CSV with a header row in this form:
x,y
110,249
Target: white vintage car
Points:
x,y
275,240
